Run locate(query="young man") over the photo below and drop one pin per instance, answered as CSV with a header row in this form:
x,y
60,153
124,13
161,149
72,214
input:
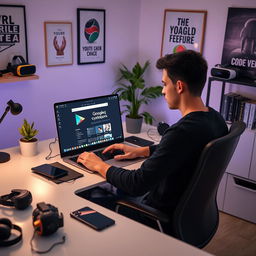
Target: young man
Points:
x,y
167,170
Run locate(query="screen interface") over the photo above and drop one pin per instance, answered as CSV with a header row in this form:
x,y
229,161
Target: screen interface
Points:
x,y
88,122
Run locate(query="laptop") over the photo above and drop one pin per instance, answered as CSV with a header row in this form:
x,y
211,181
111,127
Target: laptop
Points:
x,y
90,124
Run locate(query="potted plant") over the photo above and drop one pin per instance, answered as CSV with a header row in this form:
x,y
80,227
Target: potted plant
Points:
x,y
28,143
136,94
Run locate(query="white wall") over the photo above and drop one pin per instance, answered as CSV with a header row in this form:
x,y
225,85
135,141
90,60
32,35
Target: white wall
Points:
x,y
67,82
151,24
133,32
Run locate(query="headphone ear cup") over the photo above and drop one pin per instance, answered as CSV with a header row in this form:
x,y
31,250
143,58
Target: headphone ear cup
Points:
x,y
5,228
6,221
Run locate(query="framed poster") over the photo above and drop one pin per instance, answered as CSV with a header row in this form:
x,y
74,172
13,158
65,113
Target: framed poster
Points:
x,y
13,34
239,49
183,29
91,36
58,43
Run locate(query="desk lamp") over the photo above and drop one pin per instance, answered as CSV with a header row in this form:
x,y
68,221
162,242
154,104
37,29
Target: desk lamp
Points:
x,y
15,109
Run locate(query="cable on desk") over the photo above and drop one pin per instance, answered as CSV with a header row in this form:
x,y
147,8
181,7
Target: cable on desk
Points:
x,y
153,134
48,157
49,249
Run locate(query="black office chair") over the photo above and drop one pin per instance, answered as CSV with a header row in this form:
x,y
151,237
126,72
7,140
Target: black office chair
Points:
x,y
196,217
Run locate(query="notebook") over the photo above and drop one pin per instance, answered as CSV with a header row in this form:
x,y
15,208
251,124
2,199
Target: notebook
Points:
x,y
89,124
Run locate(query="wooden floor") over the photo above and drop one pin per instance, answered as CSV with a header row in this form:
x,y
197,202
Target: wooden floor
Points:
x,y
234,237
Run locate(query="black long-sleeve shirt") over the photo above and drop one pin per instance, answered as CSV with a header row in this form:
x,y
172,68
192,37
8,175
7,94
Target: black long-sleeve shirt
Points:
x,y
166,173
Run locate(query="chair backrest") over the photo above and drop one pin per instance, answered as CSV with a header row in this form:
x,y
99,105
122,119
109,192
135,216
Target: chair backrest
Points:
x,y
196,216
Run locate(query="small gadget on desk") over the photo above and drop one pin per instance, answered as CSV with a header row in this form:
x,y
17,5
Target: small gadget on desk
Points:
x,y
7,237
162,126
49,171
92,218
46,220
138,141
20,199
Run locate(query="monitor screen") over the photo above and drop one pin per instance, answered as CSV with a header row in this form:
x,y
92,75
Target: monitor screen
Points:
x,y
87,124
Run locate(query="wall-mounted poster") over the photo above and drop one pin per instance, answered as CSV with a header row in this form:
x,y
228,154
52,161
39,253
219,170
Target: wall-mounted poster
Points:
x,y
239,50
58,43
13,35
183,29
91,36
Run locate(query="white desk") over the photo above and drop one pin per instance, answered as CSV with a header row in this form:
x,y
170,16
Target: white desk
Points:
x,y
126,237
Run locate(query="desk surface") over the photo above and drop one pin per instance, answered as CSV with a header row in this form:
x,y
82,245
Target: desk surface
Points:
x,y
126,237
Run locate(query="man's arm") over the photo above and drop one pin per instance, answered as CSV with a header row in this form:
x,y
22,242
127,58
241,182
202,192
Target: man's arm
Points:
x,y
129,151
94,163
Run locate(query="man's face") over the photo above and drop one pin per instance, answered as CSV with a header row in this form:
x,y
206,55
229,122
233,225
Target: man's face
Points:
x,y
169,91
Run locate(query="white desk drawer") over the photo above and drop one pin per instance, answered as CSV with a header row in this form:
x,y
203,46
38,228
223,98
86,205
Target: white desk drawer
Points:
x,y
240,198
240,162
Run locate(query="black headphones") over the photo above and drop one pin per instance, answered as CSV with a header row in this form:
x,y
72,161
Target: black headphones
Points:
x,y
46,219
6,227
19,198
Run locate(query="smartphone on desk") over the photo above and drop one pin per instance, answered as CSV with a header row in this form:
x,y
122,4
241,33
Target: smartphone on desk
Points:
x,y
92,218
49,171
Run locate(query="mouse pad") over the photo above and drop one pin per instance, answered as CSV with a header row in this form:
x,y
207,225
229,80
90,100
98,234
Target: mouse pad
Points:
x,y
72,175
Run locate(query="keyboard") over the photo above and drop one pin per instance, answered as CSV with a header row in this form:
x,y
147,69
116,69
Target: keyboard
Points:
x,y
104,157
109,155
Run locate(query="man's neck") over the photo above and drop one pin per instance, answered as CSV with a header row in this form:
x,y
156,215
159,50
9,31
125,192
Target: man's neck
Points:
x,y
192,104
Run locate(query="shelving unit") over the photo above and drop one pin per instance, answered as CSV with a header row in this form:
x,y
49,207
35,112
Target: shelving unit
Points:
x,y
237,190
10,78
243,82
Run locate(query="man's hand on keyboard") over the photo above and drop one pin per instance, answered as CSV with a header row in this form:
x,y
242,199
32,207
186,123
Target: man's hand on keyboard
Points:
x,y
129,151
93,163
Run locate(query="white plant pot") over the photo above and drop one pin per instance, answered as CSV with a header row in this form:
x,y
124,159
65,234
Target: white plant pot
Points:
x,y
28,148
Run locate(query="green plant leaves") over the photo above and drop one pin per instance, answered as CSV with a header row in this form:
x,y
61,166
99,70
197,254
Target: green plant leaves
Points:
x,y
152,92
27,131
147,117
135,92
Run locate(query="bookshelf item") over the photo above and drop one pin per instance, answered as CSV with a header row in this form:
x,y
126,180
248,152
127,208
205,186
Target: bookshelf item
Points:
x,y
235,107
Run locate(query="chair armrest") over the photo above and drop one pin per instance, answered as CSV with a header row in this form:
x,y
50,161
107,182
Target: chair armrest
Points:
x,y
144,209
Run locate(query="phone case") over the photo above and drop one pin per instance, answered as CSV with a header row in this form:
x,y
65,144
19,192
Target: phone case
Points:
x,y
92,218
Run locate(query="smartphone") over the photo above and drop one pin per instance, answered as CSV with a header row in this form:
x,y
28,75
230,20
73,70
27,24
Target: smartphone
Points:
x,y
49,171
92,218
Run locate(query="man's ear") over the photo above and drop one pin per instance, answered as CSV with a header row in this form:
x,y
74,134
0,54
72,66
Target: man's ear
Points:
x,y
180,86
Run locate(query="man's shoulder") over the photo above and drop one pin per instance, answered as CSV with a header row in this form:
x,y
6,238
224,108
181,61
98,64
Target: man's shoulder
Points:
x,y
196,122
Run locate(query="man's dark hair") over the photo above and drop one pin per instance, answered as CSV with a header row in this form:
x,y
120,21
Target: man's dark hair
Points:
x,y
188,66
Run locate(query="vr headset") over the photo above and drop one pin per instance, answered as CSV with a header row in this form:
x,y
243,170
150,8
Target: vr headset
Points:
x,y
20,199
19,67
